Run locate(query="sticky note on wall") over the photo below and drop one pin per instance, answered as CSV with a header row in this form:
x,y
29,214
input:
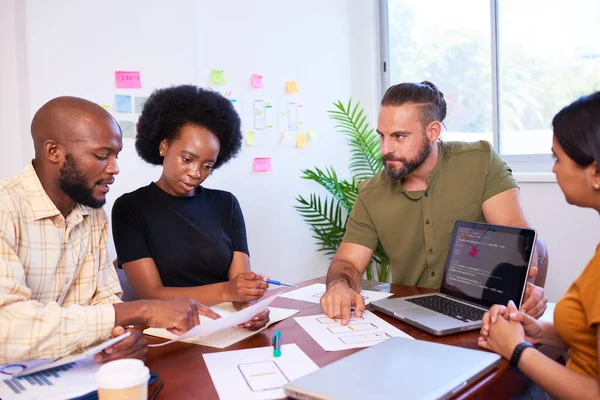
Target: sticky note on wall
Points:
x,y
291,87
123,103
139,104
218,76
250,138
312,135
128,79
301,140
257,81
128,129
262,164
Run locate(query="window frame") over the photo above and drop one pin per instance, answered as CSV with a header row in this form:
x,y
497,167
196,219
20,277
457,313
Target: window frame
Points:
x,y
529,167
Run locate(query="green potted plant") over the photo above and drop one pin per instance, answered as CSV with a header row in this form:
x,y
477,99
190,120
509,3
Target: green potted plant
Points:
x,y
327,215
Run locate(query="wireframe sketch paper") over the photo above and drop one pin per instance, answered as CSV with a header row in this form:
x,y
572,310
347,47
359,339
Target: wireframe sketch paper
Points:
x,y
229,321
313,294
259,114
365,331
255,373
63,382
226,337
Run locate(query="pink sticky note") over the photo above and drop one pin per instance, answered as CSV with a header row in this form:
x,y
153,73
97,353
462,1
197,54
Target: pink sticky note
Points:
x,y
128,79
473,252
262,164
257,81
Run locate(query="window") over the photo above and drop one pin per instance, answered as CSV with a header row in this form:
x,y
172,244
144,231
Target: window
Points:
x,y
505,66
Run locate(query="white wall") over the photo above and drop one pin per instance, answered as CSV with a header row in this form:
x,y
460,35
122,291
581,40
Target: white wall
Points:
x,y
571,233
16,143
70,47
74,48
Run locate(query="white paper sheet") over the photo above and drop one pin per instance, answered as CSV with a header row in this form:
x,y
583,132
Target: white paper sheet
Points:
x,y
313,294
254,373
229,321
365,331
41,365
226,337
64,382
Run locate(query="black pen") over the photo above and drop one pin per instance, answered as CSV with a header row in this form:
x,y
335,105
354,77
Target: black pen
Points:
x,y
156,390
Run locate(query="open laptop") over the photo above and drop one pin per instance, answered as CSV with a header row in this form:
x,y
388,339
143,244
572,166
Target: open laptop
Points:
x,y
397,369
486,265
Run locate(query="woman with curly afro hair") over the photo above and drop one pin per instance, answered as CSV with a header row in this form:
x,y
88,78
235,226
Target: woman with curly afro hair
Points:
x,y
174,237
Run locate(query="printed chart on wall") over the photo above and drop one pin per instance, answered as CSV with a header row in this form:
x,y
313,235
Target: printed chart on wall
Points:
x,y
256,373
364,331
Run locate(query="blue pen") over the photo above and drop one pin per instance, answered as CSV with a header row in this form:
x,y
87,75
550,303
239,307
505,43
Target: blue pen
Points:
x,y
272,282
276,341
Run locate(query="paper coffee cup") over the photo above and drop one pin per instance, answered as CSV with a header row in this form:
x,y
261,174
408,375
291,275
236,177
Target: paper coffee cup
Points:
x,y
123,379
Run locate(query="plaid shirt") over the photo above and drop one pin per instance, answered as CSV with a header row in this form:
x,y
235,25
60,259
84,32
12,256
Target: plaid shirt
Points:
x,y
57,284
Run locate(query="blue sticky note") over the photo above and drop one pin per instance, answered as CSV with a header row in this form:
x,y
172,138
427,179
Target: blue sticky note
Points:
x,y
123,103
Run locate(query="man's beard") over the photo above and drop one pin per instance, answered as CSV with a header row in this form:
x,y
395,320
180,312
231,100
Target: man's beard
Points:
x,y
408,166
74,183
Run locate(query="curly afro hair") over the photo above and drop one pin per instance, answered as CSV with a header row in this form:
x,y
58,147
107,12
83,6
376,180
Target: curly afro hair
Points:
x,y
167,110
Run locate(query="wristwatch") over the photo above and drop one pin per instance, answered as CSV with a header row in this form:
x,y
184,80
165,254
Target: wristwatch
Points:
x,y
516,355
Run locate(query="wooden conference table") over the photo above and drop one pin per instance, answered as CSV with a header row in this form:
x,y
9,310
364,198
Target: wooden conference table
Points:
x,y
182,368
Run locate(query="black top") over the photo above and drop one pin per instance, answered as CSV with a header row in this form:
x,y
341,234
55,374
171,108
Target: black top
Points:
x,y
190,239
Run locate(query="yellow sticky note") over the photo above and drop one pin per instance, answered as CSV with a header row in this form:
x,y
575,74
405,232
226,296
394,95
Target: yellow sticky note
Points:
x,y
217,76
301,140
312,135
291,87
106,106
250,138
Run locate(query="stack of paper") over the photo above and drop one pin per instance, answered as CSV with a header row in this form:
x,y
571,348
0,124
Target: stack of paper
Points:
x,y
64,382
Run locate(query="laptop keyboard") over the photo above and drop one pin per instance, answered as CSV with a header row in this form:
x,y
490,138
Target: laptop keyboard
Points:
x,y
448,307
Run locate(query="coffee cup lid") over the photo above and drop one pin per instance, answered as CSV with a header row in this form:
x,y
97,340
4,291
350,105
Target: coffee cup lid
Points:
x,y
121,374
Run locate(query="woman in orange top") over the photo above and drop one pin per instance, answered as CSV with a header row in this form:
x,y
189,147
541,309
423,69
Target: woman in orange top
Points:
x,y
576,327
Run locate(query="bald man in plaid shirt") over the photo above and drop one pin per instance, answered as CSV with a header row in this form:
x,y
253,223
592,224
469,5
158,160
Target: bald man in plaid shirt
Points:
x,y
59,292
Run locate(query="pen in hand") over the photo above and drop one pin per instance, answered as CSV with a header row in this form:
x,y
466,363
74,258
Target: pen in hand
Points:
x,y
274,282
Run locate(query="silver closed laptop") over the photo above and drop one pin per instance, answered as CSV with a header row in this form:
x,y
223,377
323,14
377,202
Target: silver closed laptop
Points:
x,y
397,369
486,265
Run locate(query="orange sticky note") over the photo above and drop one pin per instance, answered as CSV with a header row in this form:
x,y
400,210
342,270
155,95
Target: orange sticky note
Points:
x,y
291,87
284,134
257,81
262,164
301,140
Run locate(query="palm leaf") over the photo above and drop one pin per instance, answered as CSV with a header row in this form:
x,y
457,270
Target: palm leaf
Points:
x,y
343,191
327,219
327,216
365,156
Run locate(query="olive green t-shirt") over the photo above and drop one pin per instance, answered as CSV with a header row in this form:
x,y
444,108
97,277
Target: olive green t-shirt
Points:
x,y
415,228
